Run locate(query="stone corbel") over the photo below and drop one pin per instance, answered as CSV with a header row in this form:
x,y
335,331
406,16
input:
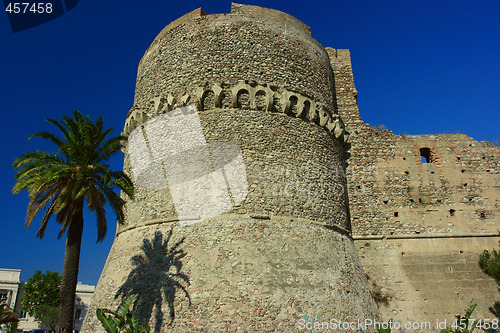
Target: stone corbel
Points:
x,y
236,89
286,105
313,115
324,116
185,100
268,96
163,104
217,95
198,98
338,129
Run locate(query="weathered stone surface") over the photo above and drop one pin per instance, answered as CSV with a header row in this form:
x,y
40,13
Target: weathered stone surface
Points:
x,y
432,219
260,82
249,275
429,279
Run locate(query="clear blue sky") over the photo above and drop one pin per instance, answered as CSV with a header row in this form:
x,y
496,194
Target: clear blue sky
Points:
x,y
420,66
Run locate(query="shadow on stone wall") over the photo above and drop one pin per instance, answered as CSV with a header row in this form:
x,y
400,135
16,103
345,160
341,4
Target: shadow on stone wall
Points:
x,y
156,278
495,309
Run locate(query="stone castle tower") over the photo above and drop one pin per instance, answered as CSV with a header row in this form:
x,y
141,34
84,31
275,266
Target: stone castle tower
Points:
x,y
262,121
281,250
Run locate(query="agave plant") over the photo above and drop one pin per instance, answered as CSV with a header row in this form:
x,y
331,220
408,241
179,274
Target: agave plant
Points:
x,y
123,320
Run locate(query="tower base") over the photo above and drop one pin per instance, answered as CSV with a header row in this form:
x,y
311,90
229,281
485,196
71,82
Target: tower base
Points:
x,y
237,273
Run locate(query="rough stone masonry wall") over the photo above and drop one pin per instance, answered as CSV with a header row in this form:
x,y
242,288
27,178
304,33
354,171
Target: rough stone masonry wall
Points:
x,y
261,82
448,207
203,51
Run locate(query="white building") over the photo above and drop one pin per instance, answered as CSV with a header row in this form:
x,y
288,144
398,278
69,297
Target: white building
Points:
x,y
11,293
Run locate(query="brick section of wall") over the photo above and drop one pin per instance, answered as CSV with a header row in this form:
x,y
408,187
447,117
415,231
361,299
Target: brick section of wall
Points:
x,y
293,168
433,201
245,275
391,191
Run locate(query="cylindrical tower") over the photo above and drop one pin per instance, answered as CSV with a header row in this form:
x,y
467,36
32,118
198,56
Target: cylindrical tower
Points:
x,y
261,243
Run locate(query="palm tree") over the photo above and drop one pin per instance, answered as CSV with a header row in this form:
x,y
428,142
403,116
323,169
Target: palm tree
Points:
x,y
63,183
7,315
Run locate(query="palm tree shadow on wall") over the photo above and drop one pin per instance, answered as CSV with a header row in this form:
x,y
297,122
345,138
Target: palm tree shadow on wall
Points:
x,y
495,309
156,278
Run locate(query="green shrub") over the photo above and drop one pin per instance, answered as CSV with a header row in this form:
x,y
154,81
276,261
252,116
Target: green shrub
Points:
x,y
490,264
461,324
123,320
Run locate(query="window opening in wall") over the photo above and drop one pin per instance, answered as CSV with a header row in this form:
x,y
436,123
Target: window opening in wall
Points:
x,y
458,158
425,155
420,200
396,214
465,184
404,158
482,215
23,314
78,314
386,201
411,200
452,212
463,170
407,172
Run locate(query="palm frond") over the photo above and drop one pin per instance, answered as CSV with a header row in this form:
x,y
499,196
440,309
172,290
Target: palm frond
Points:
x,y
56,182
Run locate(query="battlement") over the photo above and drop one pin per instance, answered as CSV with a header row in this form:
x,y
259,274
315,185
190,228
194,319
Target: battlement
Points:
x,y
271,14
341,56
283,24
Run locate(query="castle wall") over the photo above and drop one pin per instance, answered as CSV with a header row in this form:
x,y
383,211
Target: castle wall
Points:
x,y
429,279
281,181
244,273
203,51
432,219
259,82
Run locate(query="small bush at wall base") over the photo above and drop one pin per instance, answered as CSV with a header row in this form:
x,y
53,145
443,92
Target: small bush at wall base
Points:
x,y
462,323
378,295
123,320
490,264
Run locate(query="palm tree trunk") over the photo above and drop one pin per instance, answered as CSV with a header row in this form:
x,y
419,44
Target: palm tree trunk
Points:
x,y
69,276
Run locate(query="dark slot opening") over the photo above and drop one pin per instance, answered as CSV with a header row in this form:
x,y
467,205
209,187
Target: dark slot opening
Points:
x,y
425,155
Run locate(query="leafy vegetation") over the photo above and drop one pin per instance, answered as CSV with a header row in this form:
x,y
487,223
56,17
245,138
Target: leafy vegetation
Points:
x,y
378,295
61,184
7,315
464,324
123,320
490,263
41,297
48,316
